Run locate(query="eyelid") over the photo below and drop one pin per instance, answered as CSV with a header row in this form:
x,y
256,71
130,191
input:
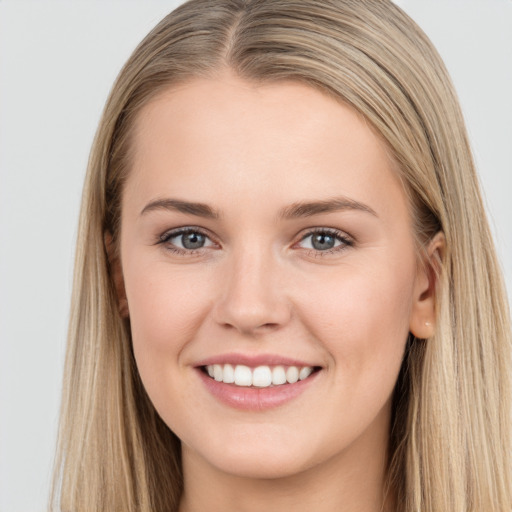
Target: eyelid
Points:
x,y
164,238
345,239
171,233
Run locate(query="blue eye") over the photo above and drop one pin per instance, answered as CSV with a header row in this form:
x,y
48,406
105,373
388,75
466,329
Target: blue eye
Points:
x,y
326,241
186,240
191,240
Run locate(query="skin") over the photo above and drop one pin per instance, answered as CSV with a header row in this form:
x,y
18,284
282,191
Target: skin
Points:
x,y
258,286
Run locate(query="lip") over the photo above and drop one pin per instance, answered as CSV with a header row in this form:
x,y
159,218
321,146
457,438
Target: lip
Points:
x,y
254,360
252,398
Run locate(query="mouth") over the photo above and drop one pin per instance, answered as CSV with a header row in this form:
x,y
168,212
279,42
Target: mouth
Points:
x,y
259,377
257,382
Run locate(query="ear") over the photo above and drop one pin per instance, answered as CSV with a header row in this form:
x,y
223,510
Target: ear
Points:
x,y
423,313
116,273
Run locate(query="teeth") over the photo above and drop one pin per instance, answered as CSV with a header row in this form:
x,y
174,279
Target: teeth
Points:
x,y
228,374
260,377
243,375
217,372
278,375
292,375
305,372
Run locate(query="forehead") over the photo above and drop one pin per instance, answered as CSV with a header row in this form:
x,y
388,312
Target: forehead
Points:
x,y
232,140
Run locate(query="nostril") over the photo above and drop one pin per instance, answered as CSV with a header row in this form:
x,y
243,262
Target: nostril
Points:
x,y
249,328
249,305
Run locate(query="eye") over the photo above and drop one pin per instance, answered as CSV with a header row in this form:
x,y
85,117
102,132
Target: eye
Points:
x,y
185,240
326,241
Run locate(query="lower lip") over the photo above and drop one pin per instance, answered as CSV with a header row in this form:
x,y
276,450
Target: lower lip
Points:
x,y
252,398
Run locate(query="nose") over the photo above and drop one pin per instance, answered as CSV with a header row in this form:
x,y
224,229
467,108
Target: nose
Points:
x,y
252,297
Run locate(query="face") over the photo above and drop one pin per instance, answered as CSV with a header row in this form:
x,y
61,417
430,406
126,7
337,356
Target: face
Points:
x,y
264,235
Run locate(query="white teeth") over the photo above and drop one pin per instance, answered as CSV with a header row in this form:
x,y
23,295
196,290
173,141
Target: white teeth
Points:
x,y
292,374
243,375
305,372
229,374
217,372
260,377
278,376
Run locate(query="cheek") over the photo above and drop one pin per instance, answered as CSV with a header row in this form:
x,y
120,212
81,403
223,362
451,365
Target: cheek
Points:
x,y
362,318
167,308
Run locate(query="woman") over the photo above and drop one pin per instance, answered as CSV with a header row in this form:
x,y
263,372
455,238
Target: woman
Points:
x,y
286,293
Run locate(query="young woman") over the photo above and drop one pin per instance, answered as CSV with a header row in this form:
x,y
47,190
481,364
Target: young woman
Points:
x,y
286,293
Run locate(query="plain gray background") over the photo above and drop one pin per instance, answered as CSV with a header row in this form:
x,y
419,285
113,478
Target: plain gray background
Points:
x,y
58,60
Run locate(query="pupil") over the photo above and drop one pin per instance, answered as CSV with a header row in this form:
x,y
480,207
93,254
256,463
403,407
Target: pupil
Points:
x,y
323,241
192,240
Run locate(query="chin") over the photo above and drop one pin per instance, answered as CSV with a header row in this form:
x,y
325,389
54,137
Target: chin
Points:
x,y
261,467
263,459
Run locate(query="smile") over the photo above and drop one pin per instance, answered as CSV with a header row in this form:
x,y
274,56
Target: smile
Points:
x,y
259,377
257,383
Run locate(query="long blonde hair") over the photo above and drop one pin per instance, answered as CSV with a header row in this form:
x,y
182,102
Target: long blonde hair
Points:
x,y
450,445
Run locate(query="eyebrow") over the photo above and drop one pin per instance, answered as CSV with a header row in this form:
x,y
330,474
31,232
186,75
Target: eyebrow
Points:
x,y
197,209
296,210
308,209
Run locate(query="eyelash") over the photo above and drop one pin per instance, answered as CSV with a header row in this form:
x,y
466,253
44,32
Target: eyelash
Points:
x,y
338,235
164,239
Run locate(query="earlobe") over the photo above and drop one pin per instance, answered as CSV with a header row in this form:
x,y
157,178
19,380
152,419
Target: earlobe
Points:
x,y
423,313
116,273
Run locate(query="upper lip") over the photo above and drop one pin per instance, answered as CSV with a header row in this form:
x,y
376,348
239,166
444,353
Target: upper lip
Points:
x,y
254,360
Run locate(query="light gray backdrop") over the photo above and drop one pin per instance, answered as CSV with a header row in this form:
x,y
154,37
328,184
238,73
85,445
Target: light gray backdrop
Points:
x,y
58,60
